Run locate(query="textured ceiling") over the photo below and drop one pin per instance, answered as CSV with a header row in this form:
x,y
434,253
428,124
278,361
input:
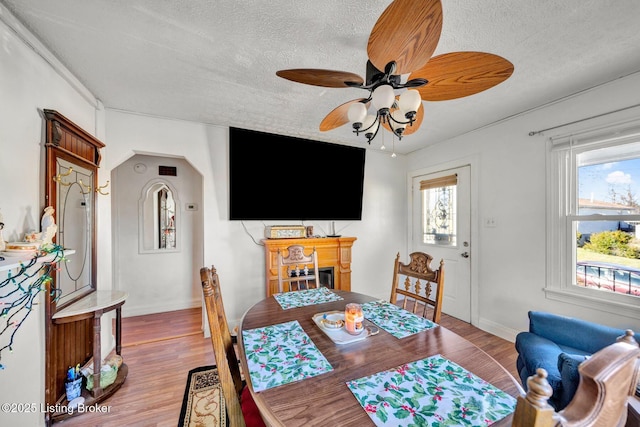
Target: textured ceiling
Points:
x,y
215,61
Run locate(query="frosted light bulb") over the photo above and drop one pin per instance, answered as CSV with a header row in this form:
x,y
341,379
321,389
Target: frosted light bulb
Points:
x,y
383,97
357,112
409,101
398,116
368,121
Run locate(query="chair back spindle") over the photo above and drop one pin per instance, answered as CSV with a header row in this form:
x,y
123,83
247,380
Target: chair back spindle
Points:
x,y
297,271
420,287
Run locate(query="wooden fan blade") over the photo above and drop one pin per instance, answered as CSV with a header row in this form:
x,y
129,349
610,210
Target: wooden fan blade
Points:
x,y
407,32
459,74
338,116
416,123
325,78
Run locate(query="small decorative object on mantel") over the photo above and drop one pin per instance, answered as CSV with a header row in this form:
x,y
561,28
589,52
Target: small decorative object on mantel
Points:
x,y
285,232
49,227
16,248
32,236
22,248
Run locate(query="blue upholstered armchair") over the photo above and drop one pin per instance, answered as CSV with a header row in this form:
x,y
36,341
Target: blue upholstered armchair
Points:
x,y
559,344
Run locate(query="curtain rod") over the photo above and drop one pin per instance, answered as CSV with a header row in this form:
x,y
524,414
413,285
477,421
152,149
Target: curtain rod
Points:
x,y
532,133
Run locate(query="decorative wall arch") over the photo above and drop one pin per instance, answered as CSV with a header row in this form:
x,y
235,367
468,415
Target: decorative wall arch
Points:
x,y
159,228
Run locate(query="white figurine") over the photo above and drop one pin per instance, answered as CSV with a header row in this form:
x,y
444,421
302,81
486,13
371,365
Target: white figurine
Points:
x,y
3,245
49,227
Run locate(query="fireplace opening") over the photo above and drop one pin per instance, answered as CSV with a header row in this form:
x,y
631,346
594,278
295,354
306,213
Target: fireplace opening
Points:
x,y
325,275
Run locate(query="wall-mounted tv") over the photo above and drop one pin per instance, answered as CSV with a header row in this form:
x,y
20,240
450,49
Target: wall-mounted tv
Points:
x,y
276,177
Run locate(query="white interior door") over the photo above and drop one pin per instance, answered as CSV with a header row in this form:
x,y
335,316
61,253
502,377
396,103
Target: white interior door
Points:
x,y
442,228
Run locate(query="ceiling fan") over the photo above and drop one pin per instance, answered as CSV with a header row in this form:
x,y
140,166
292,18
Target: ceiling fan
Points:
x,y
402,42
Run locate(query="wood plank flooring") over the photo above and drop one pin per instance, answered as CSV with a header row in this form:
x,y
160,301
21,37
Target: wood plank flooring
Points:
x,y
160,349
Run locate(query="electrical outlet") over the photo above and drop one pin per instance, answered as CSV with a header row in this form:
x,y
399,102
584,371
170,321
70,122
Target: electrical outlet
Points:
x,y
490,221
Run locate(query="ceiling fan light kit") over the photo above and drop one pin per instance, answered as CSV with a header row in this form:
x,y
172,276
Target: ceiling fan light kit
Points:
x,y
383,99
401,42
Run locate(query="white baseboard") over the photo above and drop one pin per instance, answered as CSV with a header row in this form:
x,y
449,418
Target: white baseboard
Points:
x,y
140,310
498,329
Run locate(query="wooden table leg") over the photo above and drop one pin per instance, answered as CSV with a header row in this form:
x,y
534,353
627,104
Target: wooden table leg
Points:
x,y
119,331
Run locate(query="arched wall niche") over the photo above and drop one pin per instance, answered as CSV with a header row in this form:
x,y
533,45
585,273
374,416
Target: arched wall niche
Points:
x,y
159,218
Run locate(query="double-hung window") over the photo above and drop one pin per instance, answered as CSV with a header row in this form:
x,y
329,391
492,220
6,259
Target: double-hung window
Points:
x,y
593,219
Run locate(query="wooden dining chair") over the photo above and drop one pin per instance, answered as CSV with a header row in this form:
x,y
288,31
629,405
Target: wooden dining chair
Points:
x,y
297,271
607,379
414,284
241,409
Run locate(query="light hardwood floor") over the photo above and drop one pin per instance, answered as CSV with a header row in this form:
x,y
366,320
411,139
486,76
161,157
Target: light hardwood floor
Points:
x,y
160,350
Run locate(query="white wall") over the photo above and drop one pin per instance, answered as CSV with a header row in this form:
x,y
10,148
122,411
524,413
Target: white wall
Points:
x,y
156,280
233,247
28,83
509,260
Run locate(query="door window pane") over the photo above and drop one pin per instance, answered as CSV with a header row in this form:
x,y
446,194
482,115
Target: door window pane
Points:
x,y
439,214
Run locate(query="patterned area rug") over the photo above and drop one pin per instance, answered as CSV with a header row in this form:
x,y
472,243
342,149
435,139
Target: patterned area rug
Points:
x,y
203,404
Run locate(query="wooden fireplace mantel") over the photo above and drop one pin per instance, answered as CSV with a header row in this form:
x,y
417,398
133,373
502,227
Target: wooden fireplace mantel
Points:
x,y
332,252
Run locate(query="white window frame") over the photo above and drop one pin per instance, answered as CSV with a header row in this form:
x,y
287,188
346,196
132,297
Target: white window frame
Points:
x,y
562,212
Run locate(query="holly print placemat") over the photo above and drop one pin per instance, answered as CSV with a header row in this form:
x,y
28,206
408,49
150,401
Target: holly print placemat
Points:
x,y
280,354
398,322
307,297
433,392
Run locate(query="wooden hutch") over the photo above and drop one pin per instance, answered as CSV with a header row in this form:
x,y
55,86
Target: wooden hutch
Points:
x,y
333,252
73,311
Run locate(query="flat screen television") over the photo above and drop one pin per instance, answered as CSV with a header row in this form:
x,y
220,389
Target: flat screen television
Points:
x,y
276,177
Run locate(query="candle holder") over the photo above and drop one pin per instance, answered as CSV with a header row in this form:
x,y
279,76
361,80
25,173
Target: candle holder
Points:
x,y
353,319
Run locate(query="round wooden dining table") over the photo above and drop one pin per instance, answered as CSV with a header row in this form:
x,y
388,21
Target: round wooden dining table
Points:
x,y
325,400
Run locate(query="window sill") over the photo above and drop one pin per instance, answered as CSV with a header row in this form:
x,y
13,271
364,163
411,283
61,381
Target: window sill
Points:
x,y
593,301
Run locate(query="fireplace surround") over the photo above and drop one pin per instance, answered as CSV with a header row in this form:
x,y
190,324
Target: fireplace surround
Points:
x,y
334,252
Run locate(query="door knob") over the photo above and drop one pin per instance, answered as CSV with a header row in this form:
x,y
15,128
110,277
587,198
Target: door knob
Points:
x,y
464,254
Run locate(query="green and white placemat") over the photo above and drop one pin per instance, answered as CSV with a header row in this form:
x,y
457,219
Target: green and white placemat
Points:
x,y
307,297
398,322
431,392
280,354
